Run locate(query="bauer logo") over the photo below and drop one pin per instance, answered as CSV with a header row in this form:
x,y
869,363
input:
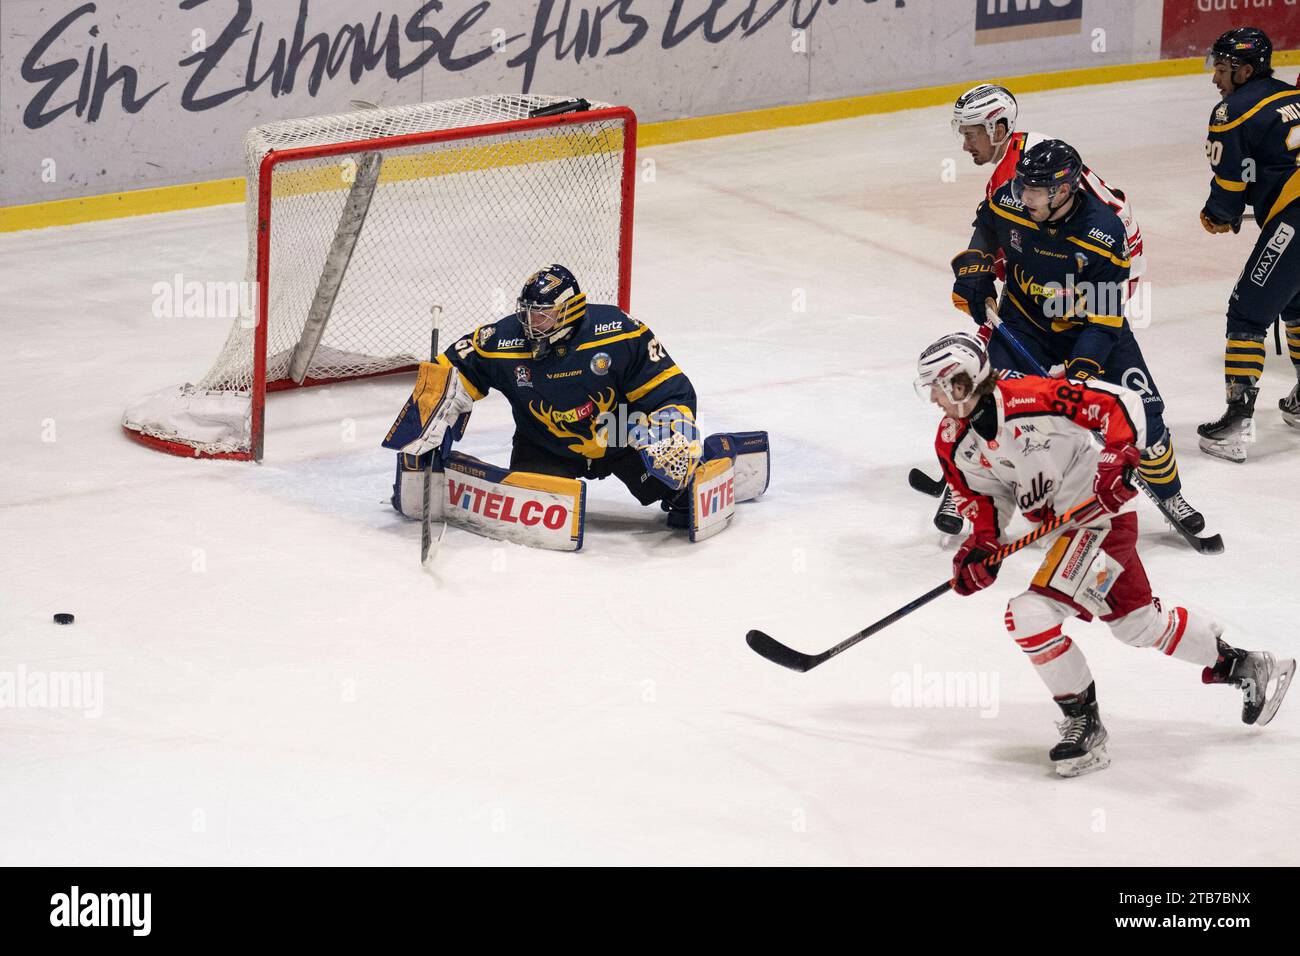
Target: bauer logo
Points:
x,y
1000,21
1272,252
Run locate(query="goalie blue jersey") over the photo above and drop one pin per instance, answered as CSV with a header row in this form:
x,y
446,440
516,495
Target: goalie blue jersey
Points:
x,y
574,400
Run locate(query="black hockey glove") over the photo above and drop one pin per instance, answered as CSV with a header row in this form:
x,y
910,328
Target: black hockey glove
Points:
x,y
974,286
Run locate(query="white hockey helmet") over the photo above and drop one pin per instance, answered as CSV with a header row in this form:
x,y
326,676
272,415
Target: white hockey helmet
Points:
x,y
985,105
957,363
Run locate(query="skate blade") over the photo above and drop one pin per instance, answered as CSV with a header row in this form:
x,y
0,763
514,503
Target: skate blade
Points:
x,y
1228,452
1095,759
1290,419
1281,682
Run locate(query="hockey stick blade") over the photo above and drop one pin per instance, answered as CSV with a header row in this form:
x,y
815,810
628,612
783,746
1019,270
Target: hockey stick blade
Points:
x,y
923,483
766,646
1209,544
776,652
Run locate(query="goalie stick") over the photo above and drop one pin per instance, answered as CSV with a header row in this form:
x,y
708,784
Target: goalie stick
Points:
x,y
428,547
778,653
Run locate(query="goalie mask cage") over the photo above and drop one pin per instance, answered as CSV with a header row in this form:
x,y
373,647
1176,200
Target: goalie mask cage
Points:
x,y
359,223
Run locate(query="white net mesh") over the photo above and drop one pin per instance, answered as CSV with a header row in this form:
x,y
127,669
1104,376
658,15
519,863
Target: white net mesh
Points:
x,y
459,223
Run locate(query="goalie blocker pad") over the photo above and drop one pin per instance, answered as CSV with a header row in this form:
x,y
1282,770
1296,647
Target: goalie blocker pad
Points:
x,y
540,511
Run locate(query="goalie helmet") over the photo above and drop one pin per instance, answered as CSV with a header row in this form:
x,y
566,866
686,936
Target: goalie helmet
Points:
x,y
956,364
550,306
985,105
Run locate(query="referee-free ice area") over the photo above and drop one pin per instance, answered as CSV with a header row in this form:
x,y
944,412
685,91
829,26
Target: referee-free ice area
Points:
x,y
279,682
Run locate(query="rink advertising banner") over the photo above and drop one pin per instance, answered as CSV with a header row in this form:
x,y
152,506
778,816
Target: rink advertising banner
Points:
x,y
1189,27
179,82
997,21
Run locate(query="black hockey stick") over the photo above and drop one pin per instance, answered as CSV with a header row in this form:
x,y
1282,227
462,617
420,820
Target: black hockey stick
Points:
x,y
1210,544
926,485
776,652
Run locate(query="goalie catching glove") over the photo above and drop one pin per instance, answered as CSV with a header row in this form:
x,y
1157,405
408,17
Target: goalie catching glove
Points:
x,y
669,444
437,403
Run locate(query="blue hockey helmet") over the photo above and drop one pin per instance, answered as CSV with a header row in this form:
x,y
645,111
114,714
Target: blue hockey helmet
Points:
x,y
1047,165
1244,46
550,305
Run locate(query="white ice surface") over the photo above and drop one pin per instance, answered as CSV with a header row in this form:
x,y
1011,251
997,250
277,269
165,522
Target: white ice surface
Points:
x,y
283,684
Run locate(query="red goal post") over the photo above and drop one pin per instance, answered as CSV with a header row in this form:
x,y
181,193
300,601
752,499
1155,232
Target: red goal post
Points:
x,y
353,238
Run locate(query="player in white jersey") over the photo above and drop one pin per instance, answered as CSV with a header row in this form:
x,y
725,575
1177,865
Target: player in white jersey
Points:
x,y
1026,443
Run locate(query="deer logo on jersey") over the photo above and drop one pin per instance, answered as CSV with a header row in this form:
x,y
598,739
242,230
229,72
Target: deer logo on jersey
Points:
x,y
572,422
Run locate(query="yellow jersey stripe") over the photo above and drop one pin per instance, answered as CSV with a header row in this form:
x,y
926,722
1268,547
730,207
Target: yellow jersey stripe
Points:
x,y
1246,372
654,383
1014,218
1224,127
1110,321
1230,185
1289,194
597,343
1123,263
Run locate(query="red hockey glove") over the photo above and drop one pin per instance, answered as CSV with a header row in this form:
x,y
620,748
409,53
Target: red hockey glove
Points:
x,y
969,572
1114,471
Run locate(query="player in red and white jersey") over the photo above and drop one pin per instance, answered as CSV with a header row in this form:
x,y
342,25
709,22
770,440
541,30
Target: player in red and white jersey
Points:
x,y
984,118
1026,444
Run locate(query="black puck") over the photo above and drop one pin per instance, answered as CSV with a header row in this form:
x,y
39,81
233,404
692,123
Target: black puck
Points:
x,y
63,618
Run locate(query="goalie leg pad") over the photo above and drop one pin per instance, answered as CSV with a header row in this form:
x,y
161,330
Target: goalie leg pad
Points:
x,y
541,511
750,456
713,498
408,486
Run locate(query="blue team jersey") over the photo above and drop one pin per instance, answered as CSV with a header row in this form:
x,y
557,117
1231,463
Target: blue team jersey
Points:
x,y
1254,150
1068,278
558,401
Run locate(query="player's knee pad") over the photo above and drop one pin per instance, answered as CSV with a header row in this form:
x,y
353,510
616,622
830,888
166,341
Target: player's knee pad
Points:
x,y
1034,622
1175,633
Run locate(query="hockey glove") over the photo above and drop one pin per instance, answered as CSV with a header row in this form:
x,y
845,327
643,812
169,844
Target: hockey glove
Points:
x,y
974,271
1214,226
669,444
1113,483
969,572
1080,369
437,403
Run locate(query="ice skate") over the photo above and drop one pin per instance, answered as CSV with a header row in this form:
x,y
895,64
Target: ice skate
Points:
x,y
947,519
1263,679
1291,407
1228,436
1083,738
1191,520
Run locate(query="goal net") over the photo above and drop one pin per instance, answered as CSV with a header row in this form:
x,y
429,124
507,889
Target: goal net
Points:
x,y
359,223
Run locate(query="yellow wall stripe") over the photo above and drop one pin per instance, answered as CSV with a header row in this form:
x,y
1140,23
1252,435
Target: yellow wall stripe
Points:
x,y
157,199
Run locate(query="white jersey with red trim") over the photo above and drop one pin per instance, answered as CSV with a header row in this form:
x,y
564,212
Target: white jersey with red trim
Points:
x,y
1042,453
1005,171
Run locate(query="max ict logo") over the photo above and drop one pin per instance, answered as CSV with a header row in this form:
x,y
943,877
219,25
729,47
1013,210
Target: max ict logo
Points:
x,y
1271,253
505,508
